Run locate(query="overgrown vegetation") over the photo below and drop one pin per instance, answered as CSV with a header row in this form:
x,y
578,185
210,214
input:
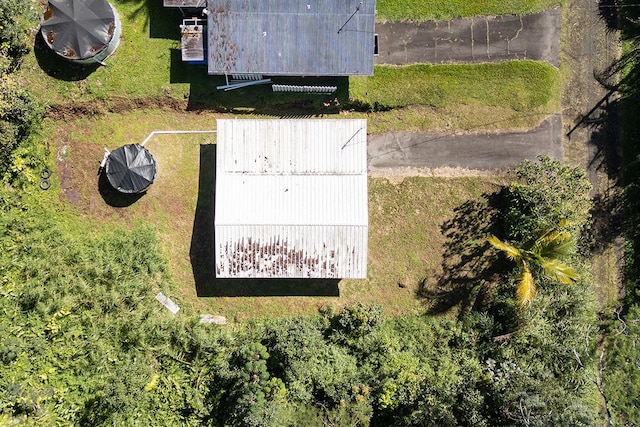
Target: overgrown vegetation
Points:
x,y
85,343
621,367
19,112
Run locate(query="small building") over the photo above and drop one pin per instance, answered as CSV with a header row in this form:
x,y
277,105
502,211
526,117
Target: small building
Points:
x,y
84,32
291,37
291,199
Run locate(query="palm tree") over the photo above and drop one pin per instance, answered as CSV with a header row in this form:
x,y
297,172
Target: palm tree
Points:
x,y
543,254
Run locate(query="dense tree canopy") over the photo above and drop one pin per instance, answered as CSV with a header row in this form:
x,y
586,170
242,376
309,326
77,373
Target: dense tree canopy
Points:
x,y
84,342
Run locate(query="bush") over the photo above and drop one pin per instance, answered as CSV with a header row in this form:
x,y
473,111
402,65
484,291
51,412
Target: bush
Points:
x,y
546,193
15,17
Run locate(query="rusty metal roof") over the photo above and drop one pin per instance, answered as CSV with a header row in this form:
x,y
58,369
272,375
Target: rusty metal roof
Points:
x,y
185,3
291,37
291,199
77,29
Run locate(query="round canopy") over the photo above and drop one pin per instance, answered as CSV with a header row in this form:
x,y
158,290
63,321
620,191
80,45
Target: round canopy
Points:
x,y
78,29
131,168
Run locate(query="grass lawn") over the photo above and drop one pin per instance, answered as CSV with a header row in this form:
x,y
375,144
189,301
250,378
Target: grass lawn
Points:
x,y
394,10
123,102
405,237
476,96
147,66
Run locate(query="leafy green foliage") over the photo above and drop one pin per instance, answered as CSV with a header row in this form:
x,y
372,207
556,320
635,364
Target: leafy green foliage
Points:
x,y
84,341
19,112
622,376
546,194
15,16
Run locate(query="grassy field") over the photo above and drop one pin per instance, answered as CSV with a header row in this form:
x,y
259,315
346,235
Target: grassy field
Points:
x,y
446,9
405,236
145,87
147,66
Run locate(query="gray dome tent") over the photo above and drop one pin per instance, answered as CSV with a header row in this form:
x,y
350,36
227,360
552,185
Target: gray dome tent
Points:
x,y
130,168
83,31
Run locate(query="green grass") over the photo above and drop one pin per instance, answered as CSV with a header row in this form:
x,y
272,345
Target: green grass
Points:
x,y
147,65
518,85
405,241
417,10
514,94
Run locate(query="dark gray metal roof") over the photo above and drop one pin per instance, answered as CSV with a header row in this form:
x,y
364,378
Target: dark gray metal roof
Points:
x,y
77,29
131,168
291,37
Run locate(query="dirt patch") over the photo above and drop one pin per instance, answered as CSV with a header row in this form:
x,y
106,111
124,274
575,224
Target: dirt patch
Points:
x,y
112,105
591,130
398,174
65,175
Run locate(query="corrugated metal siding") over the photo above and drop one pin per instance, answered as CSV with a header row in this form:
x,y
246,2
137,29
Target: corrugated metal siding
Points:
x,y
292,199
296,188
291,37
336,147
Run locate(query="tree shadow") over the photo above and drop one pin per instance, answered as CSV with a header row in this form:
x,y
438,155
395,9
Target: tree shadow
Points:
x,y
56,66
113,197
162,22
202,251
469,269
610,11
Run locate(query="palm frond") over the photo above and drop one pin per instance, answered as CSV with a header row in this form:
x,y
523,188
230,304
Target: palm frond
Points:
x,y
511,251
557,270
556,244
526,288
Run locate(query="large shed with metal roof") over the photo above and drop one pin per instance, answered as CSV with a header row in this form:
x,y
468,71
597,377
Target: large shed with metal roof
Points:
x,y
291,37
291,199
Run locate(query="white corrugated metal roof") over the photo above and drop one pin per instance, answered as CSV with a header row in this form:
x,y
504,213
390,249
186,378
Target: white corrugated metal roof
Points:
x,y
291,198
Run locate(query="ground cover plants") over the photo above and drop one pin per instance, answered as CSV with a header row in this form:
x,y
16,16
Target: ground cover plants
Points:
x,y
435,335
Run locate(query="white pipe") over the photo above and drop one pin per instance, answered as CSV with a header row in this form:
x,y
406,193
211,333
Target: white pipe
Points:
x,y
162,132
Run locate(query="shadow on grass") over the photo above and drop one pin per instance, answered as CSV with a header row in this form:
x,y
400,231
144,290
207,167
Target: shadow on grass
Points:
x,y
469,266
258,99
56,66
162,22
202,252
113,197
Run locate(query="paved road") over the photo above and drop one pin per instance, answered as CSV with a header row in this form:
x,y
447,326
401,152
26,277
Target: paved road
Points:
x,y
477,151
479,39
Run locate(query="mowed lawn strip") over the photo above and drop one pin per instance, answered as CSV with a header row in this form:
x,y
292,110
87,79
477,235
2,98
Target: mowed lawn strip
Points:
x,y
518,85
415,10
507,95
